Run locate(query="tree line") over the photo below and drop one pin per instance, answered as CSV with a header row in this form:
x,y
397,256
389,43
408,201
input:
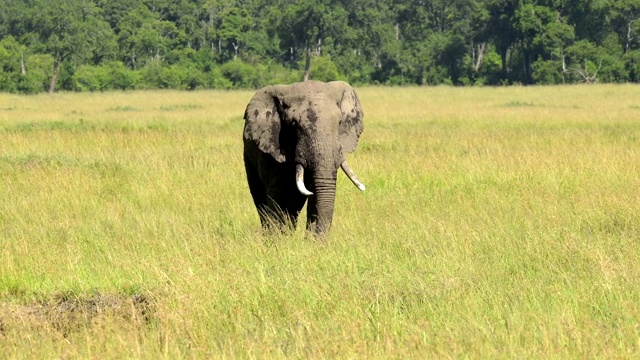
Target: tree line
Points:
x,y
95,45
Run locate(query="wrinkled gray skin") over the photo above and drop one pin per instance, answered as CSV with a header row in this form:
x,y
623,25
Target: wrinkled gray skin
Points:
x,y
311,123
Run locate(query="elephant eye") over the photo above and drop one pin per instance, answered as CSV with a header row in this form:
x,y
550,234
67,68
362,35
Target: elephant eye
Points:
x,y
294,123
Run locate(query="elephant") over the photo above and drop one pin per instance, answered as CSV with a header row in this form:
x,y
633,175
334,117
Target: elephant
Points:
x,y
295,139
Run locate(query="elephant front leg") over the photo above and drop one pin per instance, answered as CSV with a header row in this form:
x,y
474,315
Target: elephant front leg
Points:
x,y
278,215
317,224
258,192
282,210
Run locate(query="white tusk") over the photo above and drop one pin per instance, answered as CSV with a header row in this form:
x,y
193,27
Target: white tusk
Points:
x,y
300,181
352,176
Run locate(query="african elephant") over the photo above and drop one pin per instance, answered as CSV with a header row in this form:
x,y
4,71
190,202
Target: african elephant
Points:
x,y
295,139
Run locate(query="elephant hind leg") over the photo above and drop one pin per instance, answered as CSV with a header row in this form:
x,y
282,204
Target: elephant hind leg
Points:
x,y
276,208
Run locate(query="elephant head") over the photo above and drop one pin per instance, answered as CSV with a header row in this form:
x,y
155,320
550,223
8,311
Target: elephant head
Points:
x,y
295,138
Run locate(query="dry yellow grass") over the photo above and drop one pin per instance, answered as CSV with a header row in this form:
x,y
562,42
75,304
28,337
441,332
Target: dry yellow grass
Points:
x,y
497,223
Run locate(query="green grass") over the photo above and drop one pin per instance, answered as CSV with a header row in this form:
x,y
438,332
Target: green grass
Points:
x,y
497,223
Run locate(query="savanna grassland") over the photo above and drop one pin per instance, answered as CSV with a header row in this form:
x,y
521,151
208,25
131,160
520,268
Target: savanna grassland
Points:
x,y
497,223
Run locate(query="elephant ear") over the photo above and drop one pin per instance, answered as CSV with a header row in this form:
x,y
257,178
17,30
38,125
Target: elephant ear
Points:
x,y
262,122
351,124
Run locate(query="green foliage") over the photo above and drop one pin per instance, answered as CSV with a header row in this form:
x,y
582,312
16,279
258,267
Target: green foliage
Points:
x,y
10,56
323,69
489,71
242,75
591,63
109,76
38,73
280,74
547,72
121,77
215,79
89,78
171,77
192,44
632,65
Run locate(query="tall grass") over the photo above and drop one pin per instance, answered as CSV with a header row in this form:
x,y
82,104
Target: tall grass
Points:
x,y
497,223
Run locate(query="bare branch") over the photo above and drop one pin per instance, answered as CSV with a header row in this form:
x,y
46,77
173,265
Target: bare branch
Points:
x,y
584,72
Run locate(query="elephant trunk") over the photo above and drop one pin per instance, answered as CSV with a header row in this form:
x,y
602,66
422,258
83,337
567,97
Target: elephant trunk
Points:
x,y
321,204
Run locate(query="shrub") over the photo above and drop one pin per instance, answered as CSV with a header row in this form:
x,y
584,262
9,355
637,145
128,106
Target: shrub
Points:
x,y
547,72
8,81
192,78
215,79
170,77
324,69
150,76
39,68
119,77
278,74
241,74
632,65
88,78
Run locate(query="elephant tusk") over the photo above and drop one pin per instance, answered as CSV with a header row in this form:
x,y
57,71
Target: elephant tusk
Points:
x,y
352,176
300,181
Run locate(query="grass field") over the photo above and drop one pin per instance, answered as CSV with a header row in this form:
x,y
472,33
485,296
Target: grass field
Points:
x,y
497,223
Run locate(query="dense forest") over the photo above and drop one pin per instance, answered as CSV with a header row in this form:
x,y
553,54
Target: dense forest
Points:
x,y
94,45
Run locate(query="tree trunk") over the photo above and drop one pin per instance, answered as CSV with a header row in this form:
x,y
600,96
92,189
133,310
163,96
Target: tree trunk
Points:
x,y
479,56
503,59
307,64
629,36
54,77
23,70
